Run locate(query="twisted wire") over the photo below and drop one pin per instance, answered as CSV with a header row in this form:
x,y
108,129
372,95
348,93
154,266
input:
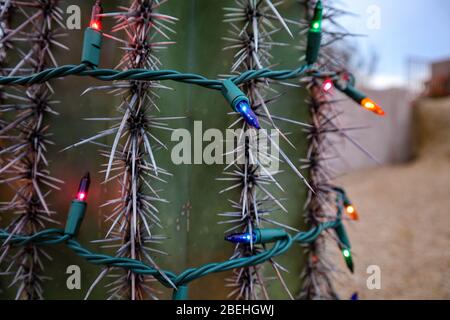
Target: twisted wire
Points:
x,y
57,236
83,70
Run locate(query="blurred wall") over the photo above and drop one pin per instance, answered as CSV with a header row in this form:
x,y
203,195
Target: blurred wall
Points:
x,y
432,128
387,138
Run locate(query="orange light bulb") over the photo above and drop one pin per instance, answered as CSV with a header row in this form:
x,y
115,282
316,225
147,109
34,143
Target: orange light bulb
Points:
x,y
372,106
351,211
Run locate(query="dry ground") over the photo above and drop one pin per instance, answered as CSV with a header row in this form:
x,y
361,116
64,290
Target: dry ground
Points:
x,y
404,228
404,222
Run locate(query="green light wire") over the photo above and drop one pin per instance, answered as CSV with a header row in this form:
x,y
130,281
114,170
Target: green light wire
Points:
x,y
83,70
165,277
57,236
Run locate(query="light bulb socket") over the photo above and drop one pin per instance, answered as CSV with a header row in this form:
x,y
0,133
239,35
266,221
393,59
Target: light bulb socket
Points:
x,y
313,47
75,217
354,94
269,235
239,103
343,194
233,94
341,233
92,45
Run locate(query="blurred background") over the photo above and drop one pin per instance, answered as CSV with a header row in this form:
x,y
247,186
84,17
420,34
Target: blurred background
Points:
x,y
402,61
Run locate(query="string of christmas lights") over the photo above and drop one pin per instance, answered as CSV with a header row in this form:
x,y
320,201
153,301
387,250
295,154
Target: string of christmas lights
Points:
x,y
281,242
229,87
323,135
241,100
190,78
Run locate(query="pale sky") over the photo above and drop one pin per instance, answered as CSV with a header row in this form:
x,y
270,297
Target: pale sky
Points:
x,y
408,28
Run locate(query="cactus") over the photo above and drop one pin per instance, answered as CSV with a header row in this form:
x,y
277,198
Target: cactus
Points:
x,y
27,139
132,166
319,271
133,214
252,26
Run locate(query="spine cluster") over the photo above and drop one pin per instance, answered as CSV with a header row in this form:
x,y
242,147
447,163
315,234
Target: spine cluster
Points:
x,y
131,167
324,133
252,26
25,135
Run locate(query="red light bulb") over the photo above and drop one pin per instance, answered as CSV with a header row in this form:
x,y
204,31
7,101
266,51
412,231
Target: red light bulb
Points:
x,y
327,85
96,19
95,25
84,187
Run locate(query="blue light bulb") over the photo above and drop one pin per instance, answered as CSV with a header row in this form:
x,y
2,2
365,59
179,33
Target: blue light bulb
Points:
x,y
241,237
243,107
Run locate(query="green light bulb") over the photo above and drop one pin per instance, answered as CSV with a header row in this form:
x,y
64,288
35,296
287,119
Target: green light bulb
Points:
x,y
348,259
346,253
314,35
316,24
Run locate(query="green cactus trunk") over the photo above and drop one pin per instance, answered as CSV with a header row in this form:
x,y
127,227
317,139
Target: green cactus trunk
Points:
x,y
190,220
